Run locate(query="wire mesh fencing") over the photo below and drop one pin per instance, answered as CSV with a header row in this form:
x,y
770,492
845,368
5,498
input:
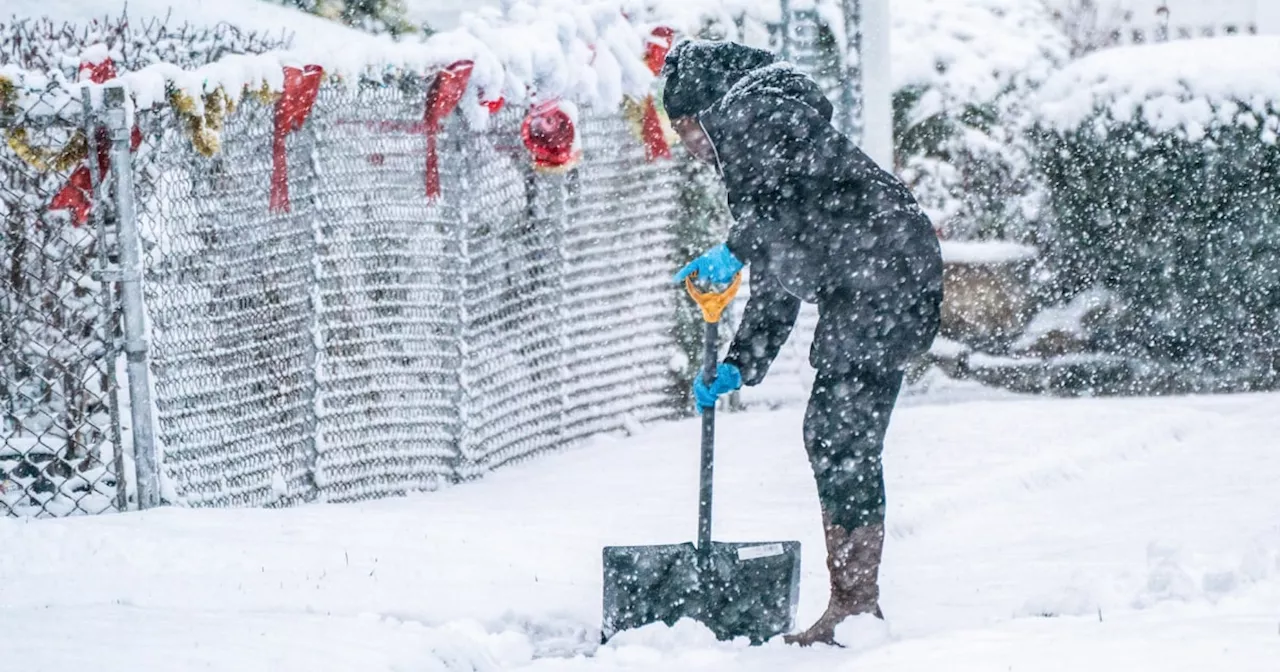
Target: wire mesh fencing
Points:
x,y
372,341
59,439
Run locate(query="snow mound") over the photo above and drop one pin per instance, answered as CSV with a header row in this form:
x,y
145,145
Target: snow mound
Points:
x,y
1070,319
1174,575
859,633
1181,87
686,633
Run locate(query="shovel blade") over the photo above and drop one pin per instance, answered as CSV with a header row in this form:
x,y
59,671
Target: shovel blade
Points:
x,y
746,590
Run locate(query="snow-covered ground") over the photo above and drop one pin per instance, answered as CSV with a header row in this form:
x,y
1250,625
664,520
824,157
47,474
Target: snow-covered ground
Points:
x,y
1026,534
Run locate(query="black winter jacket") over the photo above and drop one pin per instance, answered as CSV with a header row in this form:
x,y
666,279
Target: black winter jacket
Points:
x,y
818,221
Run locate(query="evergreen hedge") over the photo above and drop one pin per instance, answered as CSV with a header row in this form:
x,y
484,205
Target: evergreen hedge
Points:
x,y
1181,222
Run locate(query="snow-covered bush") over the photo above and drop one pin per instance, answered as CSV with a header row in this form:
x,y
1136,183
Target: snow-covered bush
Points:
x,y
963,71
1165,175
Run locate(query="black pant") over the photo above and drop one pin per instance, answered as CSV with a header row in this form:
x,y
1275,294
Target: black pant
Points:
x,y
860,348
844,430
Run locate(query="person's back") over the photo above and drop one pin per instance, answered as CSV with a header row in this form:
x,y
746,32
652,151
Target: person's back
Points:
x,y
814,211
818,221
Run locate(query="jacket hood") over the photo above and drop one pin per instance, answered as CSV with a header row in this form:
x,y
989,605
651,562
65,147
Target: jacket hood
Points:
x,y
700,72
779,80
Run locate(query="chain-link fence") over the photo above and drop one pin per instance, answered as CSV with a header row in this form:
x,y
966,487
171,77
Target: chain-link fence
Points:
x,y
368,341
371,341
59,441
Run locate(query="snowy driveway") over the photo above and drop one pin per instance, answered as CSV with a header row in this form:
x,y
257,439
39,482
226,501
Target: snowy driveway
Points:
x,y
1149,529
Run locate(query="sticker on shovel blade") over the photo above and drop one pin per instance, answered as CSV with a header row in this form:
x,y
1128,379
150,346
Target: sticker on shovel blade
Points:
x,y
757,552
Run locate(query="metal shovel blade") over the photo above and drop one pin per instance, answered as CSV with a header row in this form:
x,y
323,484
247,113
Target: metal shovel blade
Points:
x,y
741,590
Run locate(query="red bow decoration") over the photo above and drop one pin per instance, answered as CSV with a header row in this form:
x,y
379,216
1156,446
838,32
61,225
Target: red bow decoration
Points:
x,y
75,194
97,72
443,96
549,133
292,109
656,48
651,132
494,105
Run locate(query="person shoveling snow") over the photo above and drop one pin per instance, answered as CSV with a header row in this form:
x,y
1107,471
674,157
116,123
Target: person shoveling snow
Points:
x,y
816,220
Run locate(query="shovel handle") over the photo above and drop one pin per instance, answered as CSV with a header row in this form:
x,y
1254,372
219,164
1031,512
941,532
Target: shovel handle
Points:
x,y
712,303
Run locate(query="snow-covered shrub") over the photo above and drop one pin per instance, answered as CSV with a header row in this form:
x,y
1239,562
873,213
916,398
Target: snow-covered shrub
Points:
x,y
962,74
1165,175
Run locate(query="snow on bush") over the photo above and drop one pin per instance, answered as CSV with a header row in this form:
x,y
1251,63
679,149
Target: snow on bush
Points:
x,y
962,71
1166,190
1184,88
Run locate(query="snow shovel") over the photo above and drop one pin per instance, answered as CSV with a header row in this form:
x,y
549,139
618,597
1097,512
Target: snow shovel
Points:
x,y
736,589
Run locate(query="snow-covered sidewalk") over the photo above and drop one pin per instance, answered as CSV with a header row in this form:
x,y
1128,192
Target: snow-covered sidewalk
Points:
x,y
1025,534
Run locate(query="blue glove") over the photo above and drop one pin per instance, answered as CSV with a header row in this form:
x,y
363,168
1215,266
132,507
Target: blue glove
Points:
x,y
716,265
728,379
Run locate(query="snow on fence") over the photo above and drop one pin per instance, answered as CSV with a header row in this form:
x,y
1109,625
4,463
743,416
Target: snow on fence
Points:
x,y
365,340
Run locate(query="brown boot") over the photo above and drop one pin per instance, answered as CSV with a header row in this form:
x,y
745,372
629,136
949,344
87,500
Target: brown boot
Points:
x,y
853,559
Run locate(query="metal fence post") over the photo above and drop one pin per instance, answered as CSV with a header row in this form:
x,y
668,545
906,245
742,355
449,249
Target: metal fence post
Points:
x,y
146,461
464,466
108,300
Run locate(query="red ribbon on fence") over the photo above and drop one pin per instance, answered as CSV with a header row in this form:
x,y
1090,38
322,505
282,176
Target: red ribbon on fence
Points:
x,y
292,109
442,97
97,72
651,132
657,46
75,195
